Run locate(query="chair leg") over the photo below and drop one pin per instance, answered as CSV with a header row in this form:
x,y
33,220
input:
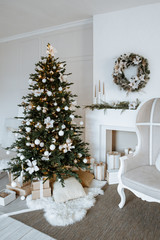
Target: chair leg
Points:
x,y
122,195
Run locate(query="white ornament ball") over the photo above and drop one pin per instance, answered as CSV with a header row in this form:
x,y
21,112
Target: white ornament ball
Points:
x,y
28,129
65,150
44,110
8,152
63,126
85,160
58,109
28,144
32,145
38,108
13,184
49,93
66,108
41,144
37,141
52,147
60,88
75,161
22,198
72,116
68,140
28,138
60,147
46,153
44,80
81,123
22,157
55,104
79,155
61,133
28,123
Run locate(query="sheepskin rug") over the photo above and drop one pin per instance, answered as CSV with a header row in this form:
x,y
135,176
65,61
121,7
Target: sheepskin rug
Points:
x,y
63,214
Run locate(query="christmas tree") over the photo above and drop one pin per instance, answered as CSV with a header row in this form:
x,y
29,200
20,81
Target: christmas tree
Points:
x,y
49,140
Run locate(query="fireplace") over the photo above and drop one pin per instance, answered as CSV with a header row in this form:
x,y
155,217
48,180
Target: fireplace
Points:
x,y
105,129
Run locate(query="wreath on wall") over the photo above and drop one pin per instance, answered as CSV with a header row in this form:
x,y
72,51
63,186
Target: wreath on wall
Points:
x,y
135,83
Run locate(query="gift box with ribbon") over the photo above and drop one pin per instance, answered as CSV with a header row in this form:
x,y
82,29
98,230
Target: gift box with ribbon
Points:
x,y
40,189
113,160
99,170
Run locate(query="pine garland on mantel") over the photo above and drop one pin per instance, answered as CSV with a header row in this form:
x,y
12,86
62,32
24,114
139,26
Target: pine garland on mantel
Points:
x,y
124,105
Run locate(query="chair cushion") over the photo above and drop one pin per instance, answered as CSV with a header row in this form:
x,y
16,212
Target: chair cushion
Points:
x,y
72,189
144,179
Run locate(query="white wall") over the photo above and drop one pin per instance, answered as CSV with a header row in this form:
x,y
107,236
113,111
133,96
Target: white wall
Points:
x,y
18,58
134,30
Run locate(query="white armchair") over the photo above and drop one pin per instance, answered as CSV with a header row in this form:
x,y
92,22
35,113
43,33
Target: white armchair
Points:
x,y
138,172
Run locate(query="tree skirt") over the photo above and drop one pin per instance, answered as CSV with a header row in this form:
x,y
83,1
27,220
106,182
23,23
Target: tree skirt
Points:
x,y
63,214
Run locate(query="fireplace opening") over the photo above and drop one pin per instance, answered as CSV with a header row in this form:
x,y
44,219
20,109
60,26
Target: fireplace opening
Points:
x,y
118,140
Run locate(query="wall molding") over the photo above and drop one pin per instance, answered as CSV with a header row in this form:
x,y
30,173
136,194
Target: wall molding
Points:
x,y
47,30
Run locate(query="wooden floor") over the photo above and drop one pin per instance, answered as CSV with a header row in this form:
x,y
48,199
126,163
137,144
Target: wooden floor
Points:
x,y
11,229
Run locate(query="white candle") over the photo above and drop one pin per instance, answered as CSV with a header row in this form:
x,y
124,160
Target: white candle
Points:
x,y
99,86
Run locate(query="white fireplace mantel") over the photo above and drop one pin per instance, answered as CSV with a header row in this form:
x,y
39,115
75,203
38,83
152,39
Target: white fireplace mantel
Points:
x,y
96,124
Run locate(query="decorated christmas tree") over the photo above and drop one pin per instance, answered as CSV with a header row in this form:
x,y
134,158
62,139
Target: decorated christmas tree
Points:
x,y
49,140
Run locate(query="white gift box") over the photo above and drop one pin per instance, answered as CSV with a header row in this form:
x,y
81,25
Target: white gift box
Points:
x,y
112,176
113,160
99,171
6,200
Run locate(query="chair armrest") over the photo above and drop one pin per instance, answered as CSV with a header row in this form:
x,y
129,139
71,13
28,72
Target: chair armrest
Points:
x,y
131,162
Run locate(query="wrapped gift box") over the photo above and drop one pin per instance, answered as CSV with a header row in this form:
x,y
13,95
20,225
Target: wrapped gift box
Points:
x,y
36,184
41,188
113,160
7,196
36,193
112,176
91,161
21,191
100,171
17,180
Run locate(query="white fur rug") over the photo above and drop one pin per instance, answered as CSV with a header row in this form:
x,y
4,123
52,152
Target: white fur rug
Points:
x,y
63,214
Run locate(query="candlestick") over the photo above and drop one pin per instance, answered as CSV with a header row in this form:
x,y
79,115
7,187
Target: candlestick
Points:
x,y
99,98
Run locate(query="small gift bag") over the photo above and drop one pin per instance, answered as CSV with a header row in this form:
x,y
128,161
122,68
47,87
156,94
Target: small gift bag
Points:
x,y
99,171
113,160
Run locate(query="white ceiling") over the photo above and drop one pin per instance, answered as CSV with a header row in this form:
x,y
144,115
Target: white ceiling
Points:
x,y
22,16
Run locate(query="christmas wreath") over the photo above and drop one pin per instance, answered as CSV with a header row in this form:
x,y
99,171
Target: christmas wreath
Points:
x,y
135,83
